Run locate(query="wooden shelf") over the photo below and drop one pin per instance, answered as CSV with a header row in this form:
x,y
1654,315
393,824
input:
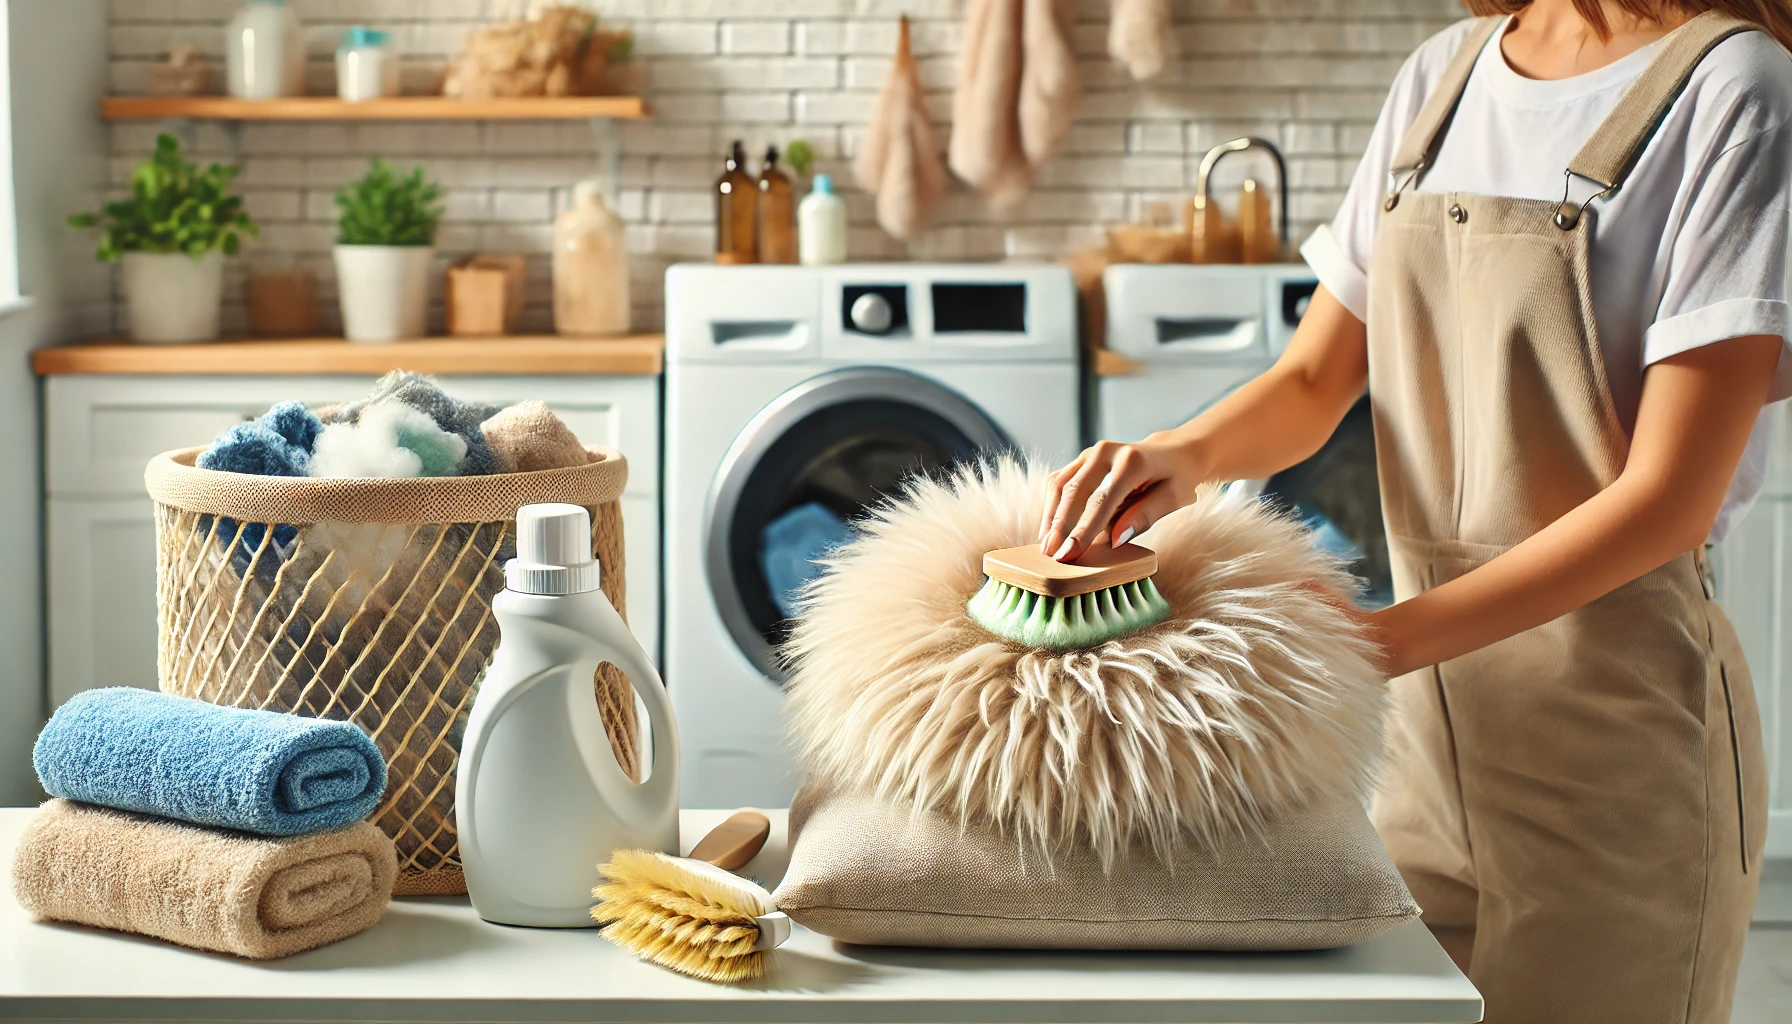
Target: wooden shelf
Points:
x,y
397,108
640,355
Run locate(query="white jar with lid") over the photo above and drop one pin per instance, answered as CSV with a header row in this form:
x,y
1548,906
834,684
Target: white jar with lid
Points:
x,y
366,65
264,52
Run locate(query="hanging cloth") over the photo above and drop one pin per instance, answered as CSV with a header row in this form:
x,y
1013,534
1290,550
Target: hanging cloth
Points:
x,y
1017,88
1140,36
899,162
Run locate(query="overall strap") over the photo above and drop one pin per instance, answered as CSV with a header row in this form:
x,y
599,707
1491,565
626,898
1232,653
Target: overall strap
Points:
x,y
1420,143
1609,155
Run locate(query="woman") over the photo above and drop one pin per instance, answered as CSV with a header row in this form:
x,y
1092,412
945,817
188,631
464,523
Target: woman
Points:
x,y
1568,394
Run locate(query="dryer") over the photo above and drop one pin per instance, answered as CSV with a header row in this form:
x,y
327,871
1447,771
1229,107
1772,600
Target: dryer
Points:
x,y
796,396
1189,335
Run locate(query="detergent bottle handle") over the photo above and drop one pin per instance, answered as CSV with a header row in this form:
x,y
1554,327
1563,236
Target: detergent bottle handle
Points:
x,y
650,800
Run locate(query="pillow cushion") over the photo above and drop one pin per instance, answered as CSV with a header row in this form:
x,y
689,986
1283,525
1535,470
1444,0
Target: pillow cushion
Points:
x,y
864,871
1255,696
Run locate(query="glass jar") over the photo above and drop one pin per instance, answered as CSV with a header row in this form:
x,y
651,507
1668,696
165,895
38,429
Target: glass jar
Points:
x,y
590,266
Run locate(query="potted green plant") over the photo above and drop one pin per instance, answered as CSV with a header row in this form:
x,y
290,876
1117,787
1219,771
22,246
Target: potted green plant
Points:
x,y
171,236
385,243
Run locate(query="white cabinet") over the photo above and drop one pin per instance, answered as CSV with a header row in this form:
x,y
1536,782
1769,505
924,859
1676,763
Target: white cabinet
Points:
x,y
101,430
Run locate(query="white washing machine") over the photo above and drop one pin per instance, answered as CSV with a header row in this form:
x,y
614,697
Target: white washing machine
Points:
x,y
795,396
1190,335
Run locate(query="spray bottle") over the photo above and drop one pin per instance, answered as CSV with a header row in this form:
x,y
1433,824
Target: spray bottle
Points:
x,y
541,800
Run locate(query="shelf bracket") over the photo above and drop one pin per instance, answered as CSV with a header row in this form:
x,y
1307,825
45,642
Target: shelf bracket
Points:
x,y
609,157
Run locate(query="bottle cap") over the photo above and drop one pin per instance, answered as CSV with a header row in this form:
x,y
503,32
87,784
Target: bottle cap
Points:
x,y
824,183
553,551
360,36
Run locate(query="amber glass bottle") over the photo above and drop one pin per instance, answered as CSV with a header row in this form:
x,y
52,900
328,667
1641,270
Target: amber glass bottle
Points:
x,y
737,203
777,212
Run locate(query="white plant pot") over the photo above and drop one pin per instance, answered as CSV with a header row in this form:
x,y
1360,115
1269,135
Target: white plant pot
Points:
x,y
384,290
172,297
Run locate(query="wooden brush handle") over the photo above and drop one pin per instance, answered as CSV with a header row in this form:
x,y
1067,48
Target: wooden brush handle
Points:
x,y
735,841
1100,567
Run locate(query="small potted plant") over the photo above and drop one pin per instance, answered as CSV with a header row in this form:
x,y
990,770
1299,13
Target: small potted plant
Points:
x,y
171,236
385,242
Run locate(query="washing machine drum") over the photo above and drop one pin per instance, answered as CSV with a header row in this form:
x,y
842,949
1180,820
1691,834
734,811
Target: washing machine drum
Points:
x,y
1337,493
808,463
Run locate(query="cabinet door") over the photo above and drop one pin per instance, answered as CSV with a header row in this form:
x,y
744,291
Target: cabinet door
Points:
x,y
102,613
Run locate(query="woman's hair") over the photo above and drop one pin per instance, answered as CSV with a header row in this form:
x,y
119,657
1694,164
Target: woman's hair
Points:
x,y
1773,16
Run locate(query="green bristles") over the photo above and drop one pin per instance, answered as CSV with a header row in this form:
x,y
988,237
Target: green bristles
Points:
x,y
1061,623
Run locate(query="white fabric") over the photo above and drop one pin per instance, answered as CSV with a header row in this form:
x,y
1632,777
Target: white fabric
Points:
x,y
1691,250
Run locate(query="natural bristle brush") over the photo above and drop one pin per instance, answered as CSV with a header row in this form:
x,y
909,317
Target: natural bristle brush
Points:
x,y
1036,600
690,914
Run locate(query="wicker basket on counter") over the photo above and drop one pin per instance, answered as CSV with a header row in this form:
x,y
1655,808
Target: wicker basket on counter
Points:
x,y
369,601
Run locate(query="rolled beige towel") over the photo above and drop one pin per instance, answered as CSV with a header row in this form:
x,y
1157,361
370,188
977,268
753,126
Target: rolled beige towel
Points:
x,y
230,892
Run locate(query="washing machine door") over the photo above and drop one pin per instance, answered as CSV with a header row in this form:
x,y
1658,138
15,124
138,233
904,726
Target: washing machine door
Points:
x,y
1337,493
810,461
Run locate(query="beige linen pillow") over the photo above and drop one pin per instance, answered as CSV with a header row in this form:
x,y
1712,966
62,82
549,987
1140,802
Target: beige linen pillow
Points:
x,y
863,871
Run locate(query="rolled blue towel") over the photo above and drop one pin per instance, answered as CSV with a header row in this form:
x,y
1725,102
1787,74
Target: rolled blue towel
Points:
x,y
236,768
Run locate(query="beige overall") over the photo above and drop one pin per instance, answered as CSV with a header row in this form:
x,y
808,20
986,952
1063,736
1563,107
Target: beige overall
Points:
x,y
1580,808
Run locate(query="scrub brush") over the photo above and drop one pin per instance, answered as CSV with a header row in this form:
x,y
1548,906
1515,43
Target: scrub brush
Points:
x,y
691,914
1036,600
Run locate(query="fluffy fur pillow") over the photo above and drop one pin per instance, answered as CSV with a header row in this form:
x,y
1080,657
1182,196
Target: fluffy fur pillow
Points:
x,y
1255,695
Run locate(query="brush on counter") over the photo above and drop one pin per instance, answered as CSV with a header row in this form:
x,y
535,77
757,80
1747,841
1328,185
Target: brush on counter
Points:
x,y
691,914
1035,600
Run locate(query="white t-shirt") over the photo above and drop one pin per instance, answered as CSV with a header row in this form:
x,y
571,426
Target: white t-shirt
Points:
x,y
1691,250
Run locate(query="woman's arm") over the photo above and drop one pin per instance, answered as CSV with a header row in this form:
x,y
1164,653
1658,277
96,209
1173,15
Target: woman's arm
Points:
x,y
1274,421
1692,423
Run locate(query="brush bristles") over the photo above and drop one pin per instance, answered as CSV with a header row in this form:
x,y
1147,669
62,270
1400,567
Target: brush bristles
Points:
x,y
1061,623
669,912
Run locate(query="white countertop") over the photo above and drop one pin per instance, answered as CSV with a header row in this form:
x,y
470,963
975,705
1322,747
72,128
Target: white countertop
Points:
x,y
434,960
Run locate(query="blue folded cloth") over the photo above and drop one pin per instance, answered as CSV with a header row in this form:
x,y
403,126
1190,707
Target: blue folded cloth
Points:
x,y
236,768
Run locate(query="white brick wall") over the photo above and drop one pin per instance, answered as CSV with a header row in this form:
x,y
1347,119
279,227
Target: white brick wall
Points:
x,y
1308,74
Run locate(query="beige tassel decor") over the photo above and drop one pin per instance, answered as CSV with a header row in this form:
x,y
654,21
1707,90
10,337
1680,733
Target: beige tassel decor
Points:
x,y
899,162
1140,36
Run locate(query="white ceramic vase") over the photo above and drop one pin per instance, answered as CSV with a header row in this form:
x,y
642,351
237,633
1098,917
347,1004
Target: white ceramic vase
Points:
x,y
264,52
172,297
384,290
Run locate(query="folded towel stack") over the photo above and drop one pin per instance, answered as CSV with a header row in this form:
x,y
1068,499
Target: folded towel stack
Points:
x,y
219,828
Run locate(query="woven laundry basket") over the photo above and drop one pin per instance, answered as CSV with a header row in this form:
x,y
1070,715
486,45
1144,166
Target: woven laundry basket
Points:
x,y
367,601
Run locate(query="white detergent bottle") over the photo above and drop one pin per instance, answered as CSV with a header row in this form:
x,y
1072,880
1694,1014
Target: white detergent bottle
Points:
x,y
541,800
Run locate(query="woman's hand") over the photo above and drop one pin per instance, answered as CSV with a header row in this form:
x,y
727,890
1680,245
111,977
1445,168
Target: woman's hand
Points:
x,y
1119,489
1269,423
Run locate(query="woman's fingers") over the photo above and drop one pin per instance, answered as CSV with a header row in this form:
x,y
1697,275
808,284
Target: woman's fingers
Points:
x,y
1054,491
1143,509
1102,487
1077,485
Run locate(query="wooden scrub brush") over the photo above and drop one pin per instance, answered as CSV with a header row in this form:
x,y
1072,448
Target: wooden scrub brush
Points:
x,y
691,914
1036,600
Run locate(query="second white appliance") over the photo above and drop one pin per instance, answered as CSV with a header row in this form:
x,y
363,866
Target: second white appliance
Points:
x,y
796,396
1189,336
